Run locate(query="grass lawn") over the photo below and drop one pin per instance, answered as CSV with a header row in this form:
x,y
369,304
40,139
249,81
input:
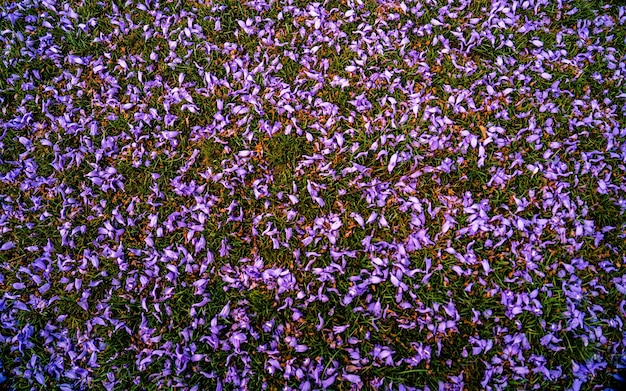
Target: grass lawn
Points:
x,y
331,195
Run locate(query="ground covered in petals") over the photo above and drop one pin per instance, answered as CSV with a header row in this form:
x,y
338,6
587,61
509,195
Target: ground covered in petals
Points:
x,y
342,194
